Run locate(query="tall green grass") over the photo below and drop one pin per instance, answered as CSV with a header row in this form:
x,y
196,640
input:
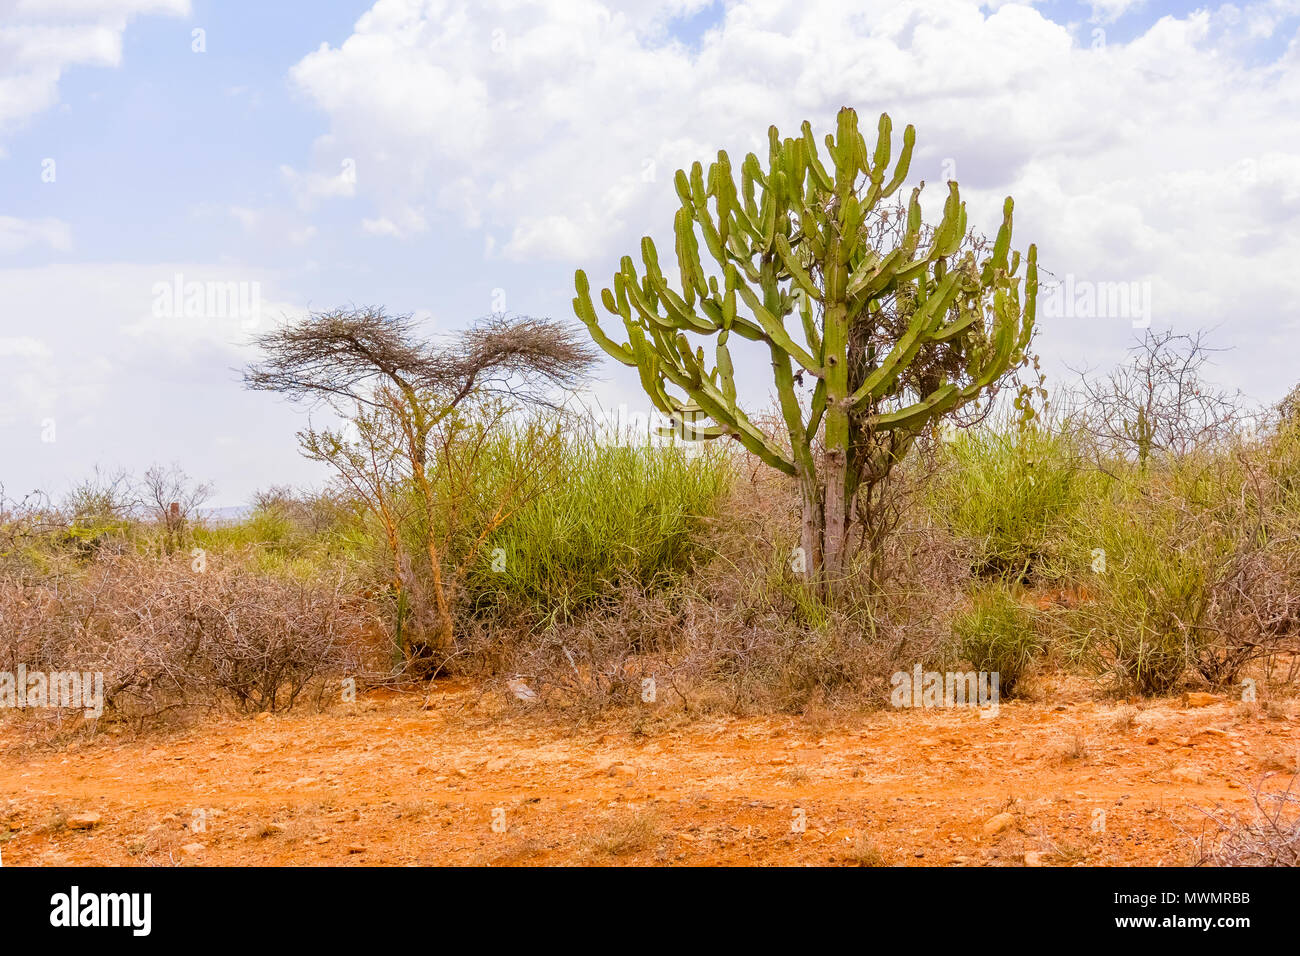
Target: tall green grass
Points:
x,y
1198,567
1144,622
616,517
1008,493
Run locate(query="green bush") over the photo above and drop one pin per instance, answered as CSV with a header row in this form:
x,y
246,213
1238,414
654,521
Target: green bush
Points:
x,y
296,538
996,634
1155,552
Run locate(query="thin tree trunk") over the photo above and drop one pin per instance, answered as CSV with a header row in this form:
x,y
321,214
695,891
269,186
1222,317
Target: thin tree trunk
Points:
x,y
444,632
399,591
811,529
835,519
442,638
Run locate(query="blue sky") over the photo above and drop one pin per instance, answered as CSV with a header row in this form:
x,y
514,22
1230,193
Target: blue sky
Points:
x,y
497,146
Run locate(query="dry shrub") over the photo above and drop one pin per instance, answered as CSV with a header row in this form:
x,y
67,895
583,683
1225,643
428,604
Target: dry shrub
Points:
x,y
740,633
1254,614
589,661
166,635
1269,837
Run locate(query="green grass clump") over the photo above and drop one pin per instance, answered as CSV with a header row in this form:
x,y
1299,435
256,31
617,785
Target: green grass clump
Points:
x,y
1008,493
997,635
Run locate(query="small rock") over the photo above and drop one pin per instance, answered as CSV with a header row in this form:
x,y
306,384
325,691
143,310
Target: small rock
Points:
x,y
496,764
190,849
264,715
305,781
1152,741
83,821
1034,858
1198,698
997,824
356,849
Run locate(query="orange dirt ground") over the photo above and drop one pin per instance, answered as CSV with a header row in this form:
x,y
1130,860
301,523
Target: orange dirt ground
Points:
x,y
387,781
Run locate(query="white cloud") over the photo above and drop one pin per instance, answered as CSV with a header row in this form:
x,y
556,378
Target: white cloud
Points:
x,y
311,187
137,314
248,218
272,225
39,39
24,347
18,234
557,127
130,386
407,222
1108,11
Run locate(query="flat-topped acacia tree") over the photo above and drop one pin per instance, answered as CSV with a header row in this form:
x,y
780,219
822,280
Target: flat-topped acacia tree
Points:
x,y
901,324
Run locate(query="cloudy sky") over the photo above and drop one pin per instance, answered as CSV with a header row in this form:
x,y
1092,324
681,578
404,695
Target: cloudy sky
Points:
x,y
449,159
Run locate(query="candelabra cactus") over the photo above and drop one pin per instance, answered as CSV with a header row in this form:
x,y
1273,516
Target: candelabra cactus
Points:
x,y
900,323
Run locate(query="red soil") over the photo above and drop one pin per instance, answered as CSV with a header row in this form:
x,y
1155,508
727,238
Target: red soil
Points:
x,y
386,781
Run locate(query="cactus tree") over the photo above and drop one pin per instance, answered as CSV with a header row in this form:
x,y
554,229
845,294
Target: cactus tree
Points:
x,y
898,324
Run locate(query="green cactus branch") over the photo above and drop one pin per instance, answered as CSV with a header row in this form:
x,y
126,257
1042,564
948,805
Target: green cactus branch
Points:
x,y
897,323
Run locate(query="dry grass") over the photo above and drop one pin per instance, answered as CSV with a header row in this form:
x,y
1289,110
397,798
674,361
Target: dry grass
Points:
x,y
1124,719
864,853
1074,747
626,836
